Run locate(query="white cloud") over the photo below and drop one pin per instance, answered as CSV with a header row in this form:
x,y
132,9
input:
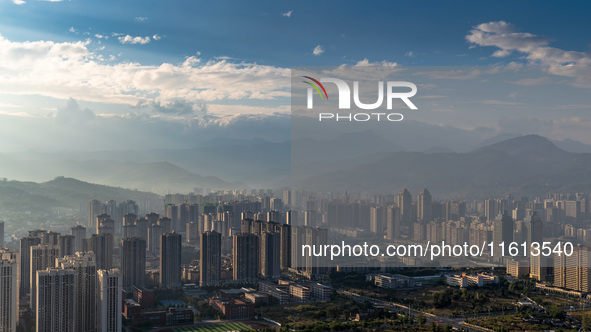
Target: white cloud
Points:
x,y
228,110
73,113
459,74
18,2
535,49
141,19
288,14
533,81
500,102
127,39
503,36
224,57
501,53
156,37
64,70
72,30
9,105
318,50
383,63
410,54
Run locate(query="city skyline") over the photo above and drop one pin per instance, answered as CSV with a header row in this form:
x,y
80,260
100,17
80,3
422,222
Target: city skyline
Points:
x,y
294,166
263,231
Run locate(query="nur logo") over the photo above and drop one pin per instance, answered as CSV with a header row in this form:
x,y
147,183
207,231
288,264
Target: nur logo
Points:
x,y
345,93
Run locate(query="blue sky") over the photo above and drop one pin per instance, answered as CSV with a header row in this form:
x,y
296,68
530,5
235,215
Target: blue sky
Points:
x,y
194,64
349,31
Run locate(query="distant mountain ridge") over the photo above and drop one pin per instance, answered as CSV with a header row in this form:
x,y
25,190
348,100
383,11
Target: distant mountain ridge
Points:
x,y
524,165
258,163
159,177
63,192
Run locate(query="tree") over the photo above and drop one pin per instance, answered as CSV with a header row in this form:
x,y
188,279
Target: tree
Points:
x,y
555,312
421,319
332,311
347,313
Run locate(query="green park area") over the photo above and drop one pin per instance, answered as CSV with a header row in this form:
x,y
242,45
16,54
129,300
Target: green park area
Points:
x,y
439,299
518,322
215,328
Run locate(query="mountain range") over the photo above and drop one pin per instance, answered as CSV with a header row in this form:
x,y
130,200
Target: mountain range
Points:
x,y
358,161
526,165
62,192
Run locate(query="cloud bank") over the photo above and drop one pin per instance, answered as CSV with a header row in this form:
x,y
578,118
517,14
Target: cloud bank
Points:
x,y
66,70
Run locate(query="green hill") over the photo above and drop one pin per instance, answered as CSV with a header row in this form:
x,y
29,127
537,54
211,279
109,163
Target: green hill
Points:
x,y
63,192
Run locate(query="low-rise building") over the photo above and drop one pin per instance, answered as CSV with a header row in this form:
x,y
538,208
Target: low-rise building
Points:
x,y
320,292
155,318
144,297
234,292
393,281
179,316
518,268
257,298
191,273
299,293
161,318
478,280
275,291
233,308
130,308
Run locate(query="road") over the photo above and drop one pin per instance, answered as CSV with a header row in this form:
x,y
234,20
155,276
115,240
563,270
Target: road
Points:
x,y
455,322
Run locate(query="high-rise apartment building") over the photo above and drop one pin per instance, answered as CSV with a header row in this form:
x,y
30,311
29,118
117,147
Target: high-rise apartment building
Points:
x,y
376,220
79,233
245,257
405,206
66,245
8,291
210,258
502,234
533,229
83,263
573,271
42,257
1,233
133,262
56,300
170,260
424,207
392,222
154,234
166,224
25,263
298,239
109,300
172,212
105,224
270,254
285,234
95,208
102,246
193,232
130,231
317,237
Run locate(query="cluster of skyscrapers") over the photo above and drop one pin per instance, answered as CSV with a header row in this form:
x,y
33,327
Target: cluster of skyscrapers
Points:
x,y
65,290
69,282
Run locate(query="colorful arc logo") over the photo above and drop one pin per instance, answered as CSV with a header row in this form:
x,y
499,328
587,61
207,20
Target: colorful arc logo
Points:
x,y
316,87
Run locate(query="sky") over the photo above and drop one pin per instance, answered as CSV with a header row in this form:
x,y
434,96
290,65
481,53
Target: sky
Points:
x,y
108,74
